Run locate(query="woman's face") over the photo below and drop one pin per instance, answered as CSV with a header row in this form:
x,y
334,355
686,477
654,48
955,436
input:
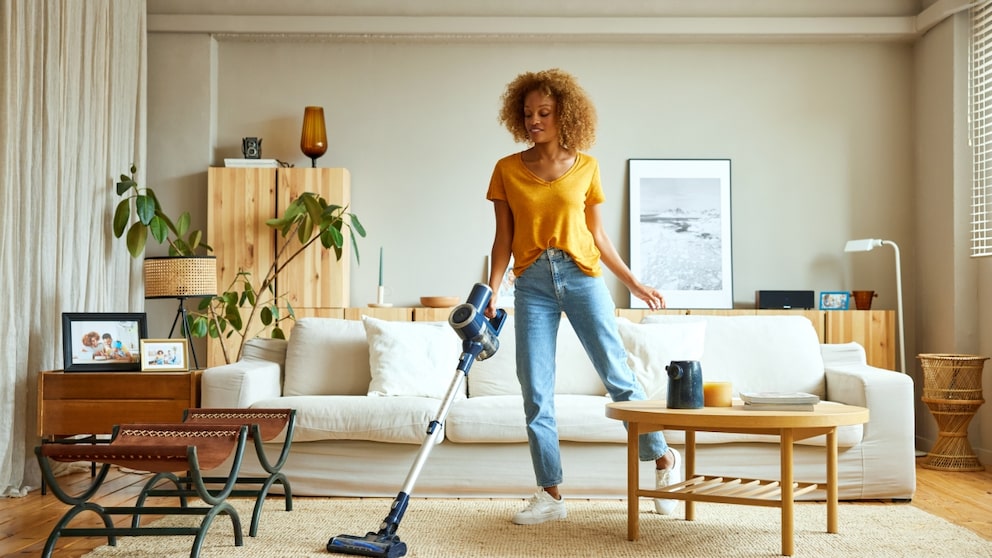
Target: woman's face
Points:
x,y
541,117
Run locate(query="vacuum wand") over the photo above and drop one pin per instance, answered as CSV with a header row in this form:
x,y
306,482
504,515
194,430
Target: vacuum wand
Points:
x,y
480,340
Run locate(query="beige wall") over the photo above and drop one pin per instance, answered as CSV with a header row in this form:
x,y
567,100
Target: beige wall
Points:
x,y
829,141
952,294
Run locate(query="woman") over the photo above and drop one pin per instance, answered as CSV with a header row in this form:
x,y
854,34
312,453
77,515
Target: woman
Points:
x,y
546,200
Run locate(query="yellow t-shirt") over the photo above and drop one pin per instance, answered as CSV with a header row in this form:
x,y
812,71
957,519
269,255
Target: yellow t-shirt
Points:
x,y
549,214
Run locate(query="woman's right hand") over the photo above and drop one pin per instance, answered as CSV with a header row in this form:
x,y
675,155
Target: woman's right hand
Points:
x,y
490,311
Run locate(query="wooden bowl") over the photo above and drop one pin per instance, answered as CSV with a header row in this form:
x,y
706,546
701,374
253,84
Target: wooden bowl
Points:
x,y
439,301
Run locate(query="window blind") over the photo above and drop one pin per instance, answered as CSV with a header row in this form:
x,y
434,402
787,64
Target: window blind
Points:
x,y
980,117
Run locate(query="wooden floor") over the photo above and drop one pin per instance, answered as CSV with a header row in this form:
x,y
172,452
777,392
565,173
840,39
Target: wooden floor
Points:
x,y
25,523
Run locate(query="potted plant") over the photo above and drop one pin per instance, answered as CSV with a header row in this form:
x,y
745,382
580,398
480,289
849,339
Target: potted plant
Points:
x,y
309,219
143,204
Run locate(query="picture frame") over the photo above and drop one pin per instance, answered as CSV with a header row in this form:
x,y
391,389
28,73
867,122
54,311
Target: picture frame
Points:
x,y
835,300
102,341
164,355
680,230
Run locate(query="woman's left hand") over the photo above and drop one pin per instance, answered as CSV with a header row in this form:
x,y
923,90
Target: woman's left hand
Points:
x,y
649,295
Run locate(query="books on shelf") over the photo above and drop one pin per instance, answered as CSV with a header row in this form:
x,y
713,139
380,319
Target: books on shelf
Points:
x,y
779,401
251,163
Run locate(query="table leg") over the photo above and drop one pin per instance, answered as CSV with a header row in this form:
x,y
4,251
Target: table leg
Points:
x,y
787,492
633,481
690,470
832,481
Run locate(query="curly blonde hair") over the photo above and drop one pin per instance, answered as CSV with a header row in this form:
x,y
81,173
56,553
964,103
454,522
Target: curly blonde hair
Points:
x,y
576,113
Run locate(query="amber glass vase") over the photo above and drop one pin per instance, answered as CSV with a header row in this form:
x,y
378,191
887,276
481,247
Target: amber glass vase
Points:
x,y
313,140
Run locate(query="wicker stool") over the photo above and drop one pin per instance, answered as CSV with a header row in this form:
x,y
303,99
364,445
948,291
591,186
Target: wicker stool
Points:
x,y
163,449
952,390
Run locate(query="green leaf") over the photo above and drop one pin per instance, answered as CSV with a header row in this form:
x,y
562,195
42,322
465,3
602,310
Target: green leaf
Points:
x,y
354,246
233,315
198,327
313,207
305,231
356,225
266,316
145,207
194,240
160,230
121,216
278,333
183,224
137,235
125,184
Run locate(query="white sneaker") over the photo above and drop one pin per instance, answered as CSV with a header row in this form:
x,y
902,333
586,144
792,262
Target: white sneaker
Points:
x,y
668,477
542,507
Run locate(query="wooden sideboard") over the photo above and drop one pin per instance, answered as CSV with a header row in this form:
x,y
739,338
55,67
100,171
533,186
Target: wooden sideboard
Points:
x,y
94,402
874,330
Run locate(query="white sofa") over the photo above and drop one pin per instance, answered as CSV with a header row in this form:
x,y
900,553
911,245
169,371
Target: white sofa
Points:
x,y
366,390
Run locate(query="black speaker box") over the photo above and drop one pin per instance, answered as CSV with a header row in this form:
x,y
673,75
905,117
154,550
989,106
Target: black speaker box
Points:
x,y
784,299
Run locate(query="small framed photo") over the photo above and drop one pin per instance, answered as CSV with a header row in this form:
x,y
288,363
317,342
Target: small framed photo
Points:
x,y
834,300
102,341
164,354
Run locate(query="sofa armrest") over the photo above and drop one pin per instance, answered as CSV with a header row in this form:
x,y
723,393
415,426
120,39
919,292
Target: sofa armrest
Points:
x,y
890,435
240,384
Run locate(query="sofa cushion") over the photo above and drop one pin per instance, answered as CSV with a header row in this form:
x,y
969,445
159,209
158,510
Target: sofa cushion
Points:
x,y
497,375
759,353
398,420
327,356
652,347
500,419
416,359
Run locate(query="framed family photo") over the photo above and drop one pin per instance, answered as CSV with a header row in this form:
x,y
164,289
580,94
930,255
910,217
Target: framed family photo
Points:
x,y
680,230
835,300
102,342
164,355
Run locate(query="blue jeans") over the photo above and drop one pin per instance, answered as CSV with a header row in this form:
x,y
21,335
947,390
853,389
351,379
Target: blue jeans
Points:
x,y
552,285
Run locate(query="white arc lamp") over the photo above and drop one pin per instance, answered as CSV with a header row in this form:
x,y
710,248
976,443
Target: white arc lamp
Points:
x,y
866,245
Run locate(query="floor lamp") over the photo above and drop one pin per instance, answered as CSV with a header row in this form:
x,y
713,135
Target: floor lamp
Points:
x,y
181,277
866,245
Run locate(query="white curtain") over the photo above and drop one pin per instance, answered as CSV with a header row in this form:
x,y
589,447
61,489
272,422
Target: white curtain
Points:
x,y
72,119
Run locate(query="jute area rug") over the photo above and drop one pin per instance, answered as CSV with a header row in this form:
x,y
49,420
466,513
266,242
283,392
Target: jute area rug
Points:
x,y
480,528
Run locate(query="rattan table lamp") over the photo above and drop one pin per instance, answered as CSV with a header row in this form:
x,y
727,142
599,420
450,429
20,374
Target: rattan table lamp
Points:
x,y
181,277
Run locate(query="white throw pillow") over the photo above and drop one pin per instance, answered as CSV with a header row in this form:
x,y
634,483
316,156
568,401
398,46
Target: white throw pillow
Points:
x,y
651,347
327,356
411,358
497,375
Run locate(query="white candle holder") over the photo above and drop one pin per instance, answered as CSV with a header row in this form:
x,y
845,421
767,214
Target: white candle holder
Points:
x,y
380,299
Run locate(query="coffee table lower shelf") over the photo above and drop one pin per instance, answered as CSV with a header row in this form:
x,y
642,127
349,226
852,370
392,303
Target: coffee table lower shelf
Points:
x,y
723,490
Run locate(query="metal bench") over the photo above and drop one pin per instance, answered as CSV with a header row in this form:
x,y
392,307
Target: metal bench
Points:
x,y
162,449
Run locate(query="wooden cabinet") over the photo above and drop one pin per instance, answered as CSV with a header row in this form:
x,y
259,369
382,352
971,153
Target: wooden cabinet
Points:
x,y
93,402
240,201
875,330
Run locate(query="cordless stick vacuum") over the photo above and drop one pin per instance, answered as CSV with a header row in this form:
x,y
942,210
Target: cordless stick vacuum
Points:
x,y
480,340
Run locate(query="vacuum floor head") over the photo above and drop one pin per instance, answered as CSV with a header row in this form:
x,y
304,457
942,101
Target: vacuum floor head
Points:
x,y
372,544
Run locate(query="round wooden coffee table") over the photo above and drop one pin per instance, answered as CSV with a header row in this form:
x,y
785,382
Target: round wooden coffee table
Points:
x,y
790,426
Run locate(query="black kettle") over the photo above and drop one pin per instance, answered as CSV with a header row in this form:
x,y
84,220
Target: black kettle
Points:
x,y
685,384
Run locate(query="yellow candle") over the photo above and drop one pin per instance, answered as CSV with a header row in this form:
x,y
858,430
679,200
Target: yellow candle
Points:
x,y
717,394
